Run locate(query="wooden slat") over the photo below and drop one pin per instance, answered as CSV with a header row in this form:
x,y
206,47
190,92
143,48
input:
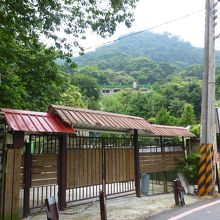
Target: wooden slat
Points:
x,y
9,184
93,163
155,162
98,166
44,169
81,174
16,182
44,160
123,164
89,168
12,183
76,175
44,176
44,182
85,168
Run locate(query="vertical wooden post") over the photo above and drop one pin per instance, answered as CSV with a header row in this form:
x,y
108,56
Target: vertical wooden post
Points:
x,y
104,166
12,184
62,172
3,177
175,190
27,179
12,179
136,164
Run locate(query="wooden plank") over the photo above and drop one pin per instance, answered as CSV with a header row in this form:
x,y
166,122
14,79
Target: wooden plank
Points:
x,y
85,168
16,183
124,164
76,174
68,169
44,182
39,170
152,169
44,176
98,166
81,162
9,184
89,167
44,160
117,164
113,166
93,165
107,165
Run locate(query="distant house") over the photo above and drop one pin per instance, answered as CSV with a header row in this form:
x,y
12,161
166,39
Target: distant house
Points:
x,y
111,89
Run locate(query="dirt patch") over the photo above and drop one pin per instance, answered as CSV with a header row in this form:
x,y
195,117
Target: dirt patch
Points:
x,y
127,208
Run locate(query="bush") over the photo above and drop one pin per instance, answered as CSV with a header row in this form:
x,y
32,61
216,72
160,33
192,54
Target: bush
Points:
x,y
189,167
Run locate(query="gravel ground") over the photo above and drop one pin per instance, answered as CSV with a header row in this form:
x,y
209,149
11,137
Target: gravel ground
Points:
x,y
126,208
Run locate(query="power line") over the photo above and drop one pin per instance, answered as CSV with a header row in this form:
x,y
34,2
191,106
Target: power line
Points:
x,y
139,32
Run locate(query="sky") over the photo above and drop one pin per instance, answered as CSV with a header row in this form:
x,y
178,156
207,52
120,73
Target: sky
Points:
x,y
150,13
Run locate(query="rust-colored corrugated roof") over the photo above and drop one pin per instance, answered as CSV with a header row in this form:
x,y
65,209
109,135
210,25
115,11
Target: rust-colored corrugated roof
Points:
x,y
98,120
171,131
19,120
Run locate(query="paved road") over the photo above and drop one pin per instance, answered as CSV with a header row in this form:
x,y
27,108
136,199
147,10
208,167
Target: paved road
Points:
x,y
205,210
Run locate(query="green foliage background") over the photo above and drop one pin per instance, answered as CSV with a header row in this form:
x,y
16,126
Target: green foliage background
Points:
x,y
34,75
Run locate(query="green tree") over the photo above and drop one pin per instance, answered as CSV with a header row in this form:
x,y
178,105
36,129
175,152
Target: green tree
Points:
x,y
163,117
89,88
133,103
25,20
72,97
188,115
29,77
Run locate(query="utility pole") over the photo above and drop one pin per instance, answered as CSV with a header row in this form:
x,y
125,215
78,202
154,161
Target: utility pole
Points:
x,y
208,131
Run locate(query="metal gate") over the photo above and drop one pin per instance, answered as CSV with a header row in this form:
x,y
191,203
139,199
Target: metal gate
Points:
x,y
40,170
95,164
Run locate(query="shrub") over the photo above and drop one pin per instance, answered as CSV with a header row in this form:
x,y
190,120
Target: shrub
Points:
x,y
189,167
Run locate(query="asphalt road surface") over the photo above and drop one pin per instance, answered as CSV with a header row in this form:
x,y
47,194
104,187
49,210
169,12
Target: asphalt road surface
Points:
x,y
204,210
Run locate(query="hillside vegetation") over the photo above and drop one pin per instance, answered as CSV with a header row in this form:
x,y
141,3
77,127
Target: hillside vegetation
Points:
x,y
157,47
171,66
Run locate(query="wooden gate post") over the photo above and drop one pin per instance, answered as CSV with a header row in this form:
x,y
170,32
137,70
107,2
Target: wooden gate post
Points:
x,y
27,179
62,172
12,178
136,164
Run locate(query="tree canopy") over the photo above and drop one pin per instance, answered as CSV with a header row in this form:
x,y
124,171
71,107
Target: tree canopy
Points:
x,y
30,78
57,19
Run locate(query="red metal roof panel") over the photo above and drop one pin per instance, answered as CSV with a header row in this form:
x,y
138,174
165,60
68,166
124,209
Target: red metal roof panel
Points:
x,y
19,120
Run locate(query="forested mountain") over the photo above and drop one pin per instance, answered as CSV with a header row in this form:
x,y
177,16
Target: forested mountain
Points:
x,y
173,68
157,47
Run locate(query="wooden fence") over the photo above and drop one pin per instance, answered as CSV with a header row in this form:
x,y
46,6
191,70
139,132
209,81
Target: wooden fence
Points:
x,y
158,162
92,164
84,166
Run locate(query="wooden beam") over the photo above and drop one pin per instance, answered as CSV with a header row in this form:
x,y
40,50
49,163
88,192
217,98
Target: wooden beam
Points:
x,y
18,139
